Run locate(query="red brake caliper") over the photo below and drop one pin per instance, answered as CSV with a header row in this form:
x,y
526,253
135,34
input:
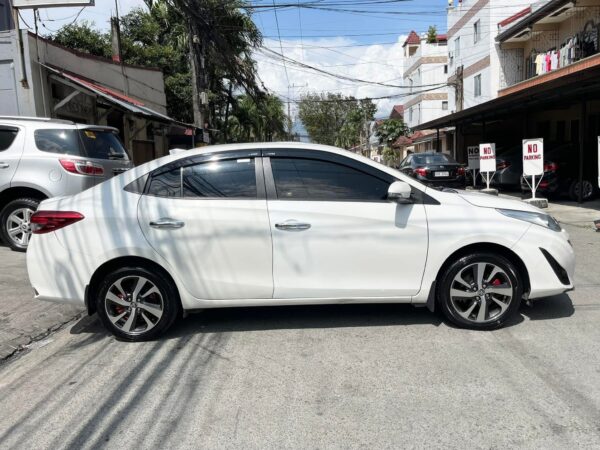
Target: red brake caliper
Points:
x,y
496,282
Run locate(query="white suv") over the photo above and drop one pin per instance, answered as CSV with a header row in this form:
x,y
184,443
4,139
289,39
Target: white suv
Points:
x,y
42,158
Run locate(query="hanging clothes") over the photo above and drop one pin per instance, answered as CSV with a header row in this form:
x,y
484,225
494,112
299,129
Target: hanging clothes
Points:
x,y
548,62
553,60
539,63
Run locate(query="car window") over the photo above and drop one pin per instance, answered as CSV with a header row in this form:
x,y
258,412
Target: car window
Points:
x,y
235,178
102,144
437,158
310,179
230,178
7,137
58,141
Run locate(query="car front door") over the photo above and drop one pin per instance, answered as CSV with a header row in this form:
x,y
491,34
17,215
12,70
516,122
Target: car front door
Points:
x,y
334,233
11,149
207,217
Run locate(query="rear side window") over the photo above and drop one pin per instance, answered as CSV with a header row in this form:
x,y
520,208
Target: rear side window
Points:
x,y
58,141
234,178
7,137
310,179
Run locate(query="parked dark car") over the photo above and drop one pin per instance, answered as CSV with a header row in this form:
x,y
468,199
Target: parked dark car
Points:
x,y
509,169
561,174
435,169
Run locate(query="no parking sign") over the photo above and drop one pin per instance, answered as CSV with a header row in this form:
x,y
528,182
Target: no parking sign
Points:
x,y
533,156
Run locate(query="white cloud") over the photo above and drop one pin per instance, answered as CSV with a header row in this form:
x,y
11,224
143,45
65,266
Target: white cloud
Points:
x,y
379,63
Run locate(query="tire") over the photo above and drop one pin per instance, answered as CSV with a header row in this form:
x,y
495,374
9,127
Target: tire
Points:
x,y
124,316
588,190
500,278
14,234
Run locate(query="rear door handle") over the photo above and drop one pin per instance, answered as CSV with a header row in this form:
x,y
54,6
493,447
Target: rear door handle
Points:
x,y
4,165
292,225
166,223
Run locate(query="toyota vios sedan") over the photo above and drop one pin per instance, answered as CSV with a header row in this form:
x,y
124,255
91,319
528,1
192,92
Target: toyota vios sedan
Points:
x,y
288,224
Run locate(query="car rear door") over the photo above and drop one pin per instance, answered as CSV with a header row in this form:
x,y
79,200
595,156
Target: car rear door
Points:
x,y
12,140
207,217
334,233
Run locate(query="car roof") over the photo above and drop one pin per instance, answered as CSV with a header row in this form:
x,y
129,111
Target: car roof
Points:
x,y
46,122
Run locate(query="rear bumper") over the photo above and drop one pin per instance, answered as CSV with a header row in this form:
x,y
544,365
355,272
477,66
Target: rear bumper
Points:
x,y
62,279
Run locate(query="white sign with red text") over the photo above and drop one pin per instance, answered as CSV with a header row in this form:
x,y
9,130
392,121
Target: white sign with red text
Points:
x,y
473,157
487,157
533,157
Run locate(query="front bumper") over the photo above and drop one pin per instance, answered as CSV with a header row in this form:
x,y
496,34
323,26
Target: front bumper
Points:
x,y
549,260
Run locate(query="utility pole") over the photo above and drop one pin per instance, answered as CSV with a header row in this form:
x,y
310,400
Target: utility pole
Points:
x,y
199,77
289,113
459,89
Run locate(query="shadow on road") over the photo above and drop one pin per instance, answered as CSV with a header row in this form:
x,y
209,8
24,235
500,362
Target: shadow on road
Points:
x,y
222,320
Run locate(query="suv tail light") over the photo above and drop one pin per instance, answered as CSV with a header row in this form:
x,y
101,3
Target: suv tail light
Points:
x,y
502,165
47,221
550,167
81,167
460,171
421,171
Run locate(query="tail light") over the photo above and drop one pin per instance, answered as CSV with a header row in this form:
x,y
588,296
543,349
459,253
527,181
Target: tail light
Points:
x,y
421,171
460,171
502,165
550,167
47,221
81,167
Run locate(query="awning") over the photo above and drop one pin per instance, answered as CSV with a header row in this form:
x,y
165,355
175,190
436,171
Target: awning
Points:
x,y
553,8
113,97
535,92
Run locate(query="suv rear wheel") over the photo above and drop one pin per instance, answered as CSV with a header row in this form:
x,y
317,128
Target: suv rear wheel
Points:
x,y
15,228
587,193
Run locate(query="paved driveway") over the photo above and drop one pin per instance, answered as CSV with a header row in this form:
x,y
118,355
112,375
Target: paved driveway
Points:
x,y
319,377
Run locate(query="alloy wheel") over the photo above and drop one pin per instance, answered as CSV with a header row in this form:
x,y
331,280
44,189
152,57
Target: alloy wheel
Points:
x,y
588,189
481,292
18,226
134,304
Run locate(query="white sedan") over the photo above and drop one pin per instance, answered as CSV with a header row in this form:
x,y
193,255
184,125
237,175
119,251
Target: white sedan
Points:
x,y
289,224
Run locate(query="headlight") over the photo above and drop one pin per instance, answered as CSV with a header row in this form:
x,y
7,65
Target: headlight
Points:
x,y
544,220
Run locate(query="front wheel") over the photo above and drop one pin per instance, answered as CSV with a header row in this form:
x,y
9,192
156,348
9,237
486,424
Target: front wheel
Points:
x,y
480,291
137,304
15,227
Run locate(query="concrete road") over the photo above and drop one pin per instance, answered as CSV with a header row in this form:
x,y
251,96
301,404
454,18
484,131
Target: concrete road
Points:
x,y
319,377
23,319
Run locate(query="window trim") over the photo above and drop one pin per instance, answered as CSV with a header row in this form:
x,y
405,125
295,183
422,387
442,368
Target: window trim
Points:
x,y
207,158
476,31
476,81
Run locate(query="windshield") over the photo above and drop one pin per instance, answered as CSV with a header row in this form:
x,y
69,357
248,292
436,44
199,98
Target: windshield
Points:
x,y
102,144
437,158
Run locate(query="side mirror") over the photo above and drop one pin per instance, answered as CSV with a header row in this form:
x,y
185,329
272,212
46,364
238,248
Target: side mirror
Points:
x,y
399,192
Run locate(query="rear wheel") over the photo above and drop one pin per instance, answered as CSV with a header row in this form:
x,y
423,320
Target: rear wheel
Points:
x,y
15,227
137,304
587,192
480,291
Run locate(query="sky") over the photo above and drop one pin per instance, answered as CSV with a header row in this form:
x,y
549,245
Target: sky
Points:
x,y
364,42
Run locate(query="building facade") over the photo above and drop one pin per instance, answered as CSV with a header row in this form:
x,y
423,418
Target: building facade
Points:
x,y
425,74
41,79
476,67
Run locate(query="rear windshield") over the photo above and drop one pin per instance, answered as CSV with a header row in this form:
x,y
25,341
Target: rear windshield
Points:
x,y
438,158
99,144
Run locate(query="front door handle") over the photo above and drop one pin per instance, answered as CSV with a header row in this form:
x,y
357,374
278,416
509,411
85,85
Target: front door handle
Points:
x,y
166,223
292,225
4,165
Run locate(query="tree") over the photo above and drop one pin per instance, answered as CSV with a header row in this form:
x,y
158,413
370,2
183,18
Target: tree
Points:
x,y
251,121
84,38
334,119
390,130
432,34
